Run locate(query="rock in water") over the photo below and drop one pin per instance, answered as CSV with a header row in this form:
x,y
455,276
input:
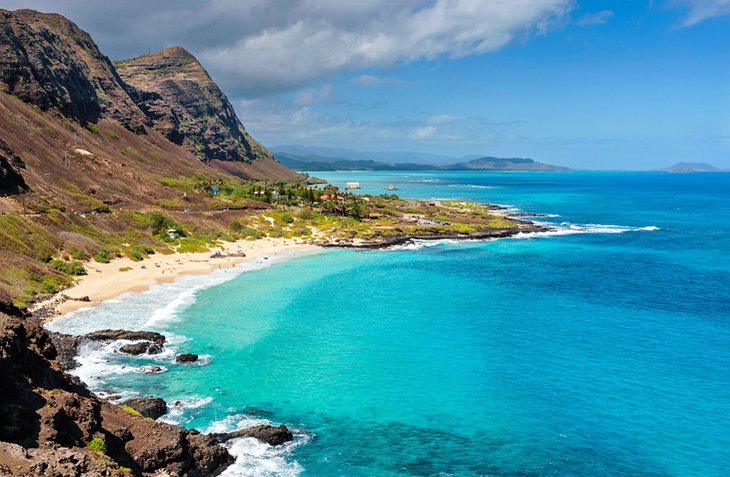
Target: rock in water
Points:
x,y
186,358
114,335
151,407
141,348
272,435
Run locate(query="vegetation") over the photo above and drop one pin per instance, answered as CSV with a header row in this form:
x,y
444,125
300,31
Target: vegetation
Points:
x,y
97,444
74,268
107,254
130,410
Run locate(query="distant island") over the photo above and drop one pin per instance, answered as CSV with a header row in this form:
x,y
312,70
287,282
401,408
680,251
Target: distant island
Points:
x,y
692,167
316,162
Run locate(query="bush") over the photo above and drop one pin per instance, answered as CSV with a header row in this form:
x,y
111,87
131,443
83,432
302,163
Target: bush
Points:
x,y
107,254
286,217
69,268
250,232
140,252
93,129
97,444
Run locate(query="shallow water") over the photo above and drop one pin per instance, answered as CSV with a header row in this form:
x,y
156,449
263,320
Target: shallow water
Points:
x,y
602,349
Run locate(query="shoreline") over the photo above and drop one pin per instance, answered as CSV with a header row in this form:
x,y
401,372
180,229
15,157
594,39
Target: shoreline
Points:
x,y
105,281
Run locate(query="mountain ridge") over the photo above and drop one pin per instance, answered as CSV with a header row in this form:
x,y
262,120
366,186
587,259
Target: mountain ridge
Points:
x,y
488,163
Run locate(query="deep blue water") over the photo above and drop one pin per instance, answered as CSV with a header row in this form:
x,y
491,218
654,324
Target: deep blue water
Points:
x,y
603,349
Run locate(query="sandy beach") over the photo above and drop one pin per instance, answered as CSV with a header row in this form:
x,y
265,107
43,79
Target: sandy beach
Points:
x,y
104,281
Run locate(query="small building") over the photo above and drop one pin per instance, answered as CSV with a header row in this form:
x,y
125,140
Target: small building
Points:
x,y
172,233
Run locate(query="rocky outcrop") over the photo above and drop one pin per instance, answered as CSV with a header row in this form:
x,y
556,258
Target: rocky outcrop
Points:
x,y
114,335
187,107
141,347
11,180
151,407
186,358
52,426
272,435
48,61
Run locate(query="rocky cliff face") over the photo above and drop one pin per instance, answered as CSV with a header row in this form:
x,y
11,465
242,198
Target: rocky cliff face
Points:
x,y
186,106
11,180
47,422
48,61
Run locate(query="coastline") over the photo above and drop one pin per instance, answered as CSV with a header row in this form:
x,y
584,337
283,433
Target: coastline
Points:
x,y
105,281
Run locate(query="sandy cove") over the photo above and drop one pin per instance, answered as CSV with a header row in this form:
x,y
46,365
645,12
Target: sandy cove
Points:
x,y
104,281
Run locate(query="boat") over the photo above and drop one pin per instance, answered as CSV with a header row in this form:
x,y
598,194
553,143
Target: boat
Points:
x,y
391,187
352,185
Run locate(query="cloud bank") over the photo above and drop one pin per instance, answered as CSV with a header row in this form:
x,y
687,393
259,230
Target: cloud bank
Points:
x,y
260,47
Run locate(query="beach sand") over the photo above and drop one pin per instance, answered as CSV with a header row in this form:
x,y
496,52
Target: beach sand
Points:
x,y
104,281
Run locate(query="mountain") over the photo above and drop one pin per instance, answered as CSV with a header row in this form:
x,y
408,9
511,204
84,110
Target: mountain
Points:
x,y
323,163
691,167
49,62
178,96
397,157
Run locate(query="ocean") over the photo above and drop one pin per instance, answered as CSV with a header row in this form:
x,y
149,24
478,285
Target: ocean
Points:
x,y
600,349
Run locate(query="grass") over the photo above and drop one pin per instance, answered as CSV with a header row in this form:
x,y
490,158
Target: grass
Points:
x,y
130,410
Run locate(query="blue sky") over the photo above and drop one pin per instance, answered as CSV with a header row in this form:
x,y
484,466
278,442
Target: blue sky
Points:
x,y
587,84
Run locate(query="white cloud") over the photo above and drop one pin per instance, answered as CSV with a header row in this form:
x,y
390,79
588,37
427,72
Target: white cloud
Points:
x,y
309,96
701,10
258,47
371,80
424,132
331,37
597,18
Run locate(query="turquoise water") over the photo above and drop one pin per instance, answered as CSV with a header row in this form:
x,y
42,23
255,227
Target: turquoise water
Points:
x,y
600,349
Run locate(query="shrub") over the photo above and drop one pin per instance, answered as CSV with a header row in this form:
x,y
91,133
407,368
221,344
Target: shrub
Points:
x,y
250,232
93,129
140,252
97,444
107,254
286,217
69,268
69,126
306,214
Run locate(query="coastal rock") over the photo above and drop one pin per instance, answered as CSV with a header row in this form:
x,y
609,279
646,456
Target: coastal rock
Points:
x,y
47,421
186,358
151,369
151,407
114,335
141,347
272,435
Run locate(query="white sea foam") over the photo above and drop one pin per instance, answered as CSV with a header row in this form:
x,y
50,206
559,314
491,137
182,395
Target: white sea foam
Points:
x,y
178,410
418,244
568,228
473,186
255,458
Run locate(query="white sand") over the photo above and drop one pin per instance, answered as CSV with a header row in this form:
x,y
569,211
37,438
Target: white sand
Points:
x,y
105,281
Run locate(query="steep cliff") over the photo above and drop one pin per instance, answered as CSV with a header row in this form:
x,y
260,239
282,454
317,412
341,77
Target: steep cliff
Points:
x,y
188,108
11,179
48,61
